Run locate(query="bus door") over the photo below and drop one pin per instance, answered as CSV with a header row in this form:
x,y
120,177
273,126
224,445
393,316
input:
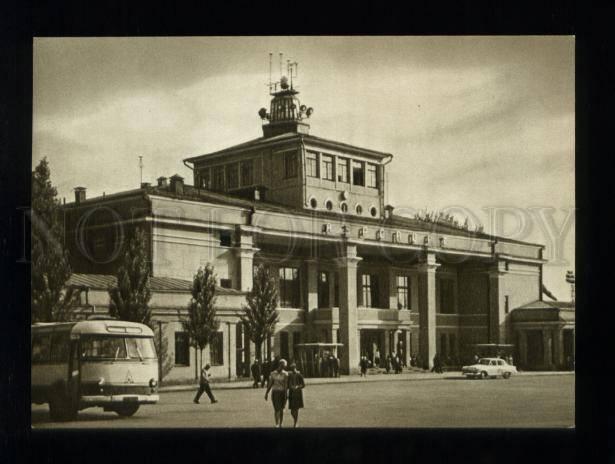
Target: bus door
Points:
x,y
74,371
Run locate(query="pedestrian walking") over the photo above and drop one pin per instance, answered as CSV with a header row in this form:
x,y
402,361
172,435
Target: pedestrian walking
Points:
x,y
204,386
296,384
377,358
278,385
388,363
255,369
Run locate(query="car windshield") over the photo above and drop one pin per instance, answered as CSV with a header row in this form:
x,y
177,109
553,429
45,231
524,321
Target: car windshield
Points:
x,y
110,347
483,361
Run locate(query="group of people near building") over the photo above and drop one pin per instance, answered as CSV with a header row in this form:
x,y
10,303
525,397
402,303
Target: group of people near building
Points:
x,y
393,362
327,365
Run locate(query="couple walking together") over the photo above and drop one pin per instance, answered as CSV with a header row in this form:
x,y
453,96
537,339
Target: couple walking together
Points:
x,y
285,385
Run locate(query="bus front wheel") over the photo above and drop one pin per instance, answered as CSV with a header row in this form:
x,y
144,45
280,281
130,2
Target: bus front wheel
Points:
x,y
127,410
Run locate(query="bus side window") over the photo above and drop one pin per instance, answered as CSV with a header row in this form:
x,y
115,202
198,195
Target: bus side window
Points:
x,y
59,347
40,348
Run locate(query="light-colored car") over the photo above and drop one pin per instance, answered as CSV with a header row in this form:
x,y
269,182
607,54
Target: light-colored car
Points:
x,y
489,367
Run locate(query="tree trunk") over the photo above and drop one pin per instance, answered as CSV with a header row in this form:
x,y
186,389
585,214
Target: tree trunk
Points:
x,y
268,348
196,363
258,345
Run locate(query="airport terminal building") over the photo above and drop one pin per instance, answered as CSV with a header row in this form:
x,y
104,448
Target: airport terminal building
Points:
x,y
349,269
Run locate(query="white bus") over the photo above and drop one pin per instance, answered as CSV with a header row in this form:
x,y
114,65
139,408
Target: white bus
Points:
x,y
106,363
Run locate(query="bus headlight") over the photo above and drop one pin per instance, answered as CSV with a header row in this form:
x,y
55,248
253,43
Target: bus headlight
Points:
x,y
153,383
101,382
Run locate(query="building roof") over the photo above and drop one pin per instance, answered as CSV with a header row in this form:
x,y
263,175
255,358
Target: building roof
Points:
x,y
289,136
157,284
538,304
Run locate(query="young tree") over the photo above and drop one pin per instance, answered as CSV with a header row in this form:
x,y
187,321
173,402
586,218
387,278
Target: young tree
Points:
x,y
201,323
51,300
129,298
261,315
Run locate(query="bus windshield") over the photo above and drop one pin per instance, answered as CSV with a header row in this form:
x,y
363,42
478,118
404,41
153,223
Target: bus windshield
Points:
x,y
113,347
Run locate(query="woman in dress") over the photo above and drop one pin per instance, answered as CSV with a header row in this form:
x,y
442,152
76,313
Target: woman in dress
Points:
x,y
278,385
295,392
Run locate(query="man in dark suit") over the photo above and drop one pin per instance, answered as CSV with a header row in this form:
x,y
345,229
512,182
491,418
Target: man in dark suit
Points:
x,y
255,369
266,370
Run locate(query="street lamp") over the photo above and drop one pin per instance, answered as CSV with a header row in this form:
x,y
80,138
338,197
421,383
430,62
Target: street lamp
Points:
x,y
571,280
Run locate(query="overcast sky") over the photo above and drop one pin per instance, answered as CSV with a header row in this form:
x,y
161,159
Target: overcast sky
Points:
x,y
473,122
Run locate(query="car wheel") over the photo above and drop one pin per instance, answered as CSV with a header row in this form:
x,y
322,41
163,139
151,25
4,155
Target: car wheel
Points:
x,y
127,410
506,375
484,375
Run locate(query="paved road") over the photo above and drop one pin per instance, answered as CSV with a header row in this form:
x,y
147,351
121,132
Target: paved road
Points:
x,y
541,401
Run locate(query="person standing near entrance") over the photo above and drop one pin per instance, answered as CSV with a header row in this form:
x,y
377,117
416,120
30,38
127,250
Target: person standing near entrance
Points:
x,y
266,370
296,384
363,366
256,372
278,385
204,386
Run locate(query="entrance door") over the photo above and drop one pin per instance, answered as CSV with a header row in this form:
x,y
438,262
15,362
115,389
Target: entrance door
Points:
x,y
535,349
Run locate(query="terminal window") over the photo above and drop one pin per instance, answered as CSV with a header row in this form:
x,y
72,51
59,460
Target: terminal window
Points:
x,y
182,349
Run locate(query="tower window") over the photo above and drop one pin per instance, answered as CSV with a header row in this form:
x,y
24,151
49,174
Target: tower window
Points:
x,y
311,164
329,205
344,207
290,165
359,209
373,211
232,176
327,167
205,178
342,170
218,181
372,175
225,238
247,172
358,175
313,203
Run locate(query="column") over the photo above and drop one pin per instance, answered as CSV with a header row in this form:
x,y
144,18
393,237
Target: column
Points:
x,y
348,309
395,341
252,352
392,289
312,297
497,316
546,347
244,250
427,309
558,340
387,343
334,335
231,349
408,347
332,278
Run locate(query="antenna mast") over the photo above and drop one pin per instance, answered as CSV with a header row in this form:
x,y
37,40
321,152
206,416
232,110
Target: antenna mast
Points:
x,y
141,168
270,58
281,64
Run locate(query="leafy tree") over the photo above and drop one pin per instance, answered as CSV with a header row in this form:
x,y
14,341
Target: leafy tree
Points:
x,y
201,323
162,350
129,298
51,300
260,315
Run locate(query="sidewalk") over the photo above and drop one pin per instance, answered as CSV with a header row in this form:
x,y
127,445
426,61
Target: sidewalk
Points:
x,y
239,384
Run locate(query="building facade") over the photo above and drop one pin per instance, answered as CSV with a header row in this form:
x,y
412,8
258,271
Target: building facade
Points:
x,y
313,210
